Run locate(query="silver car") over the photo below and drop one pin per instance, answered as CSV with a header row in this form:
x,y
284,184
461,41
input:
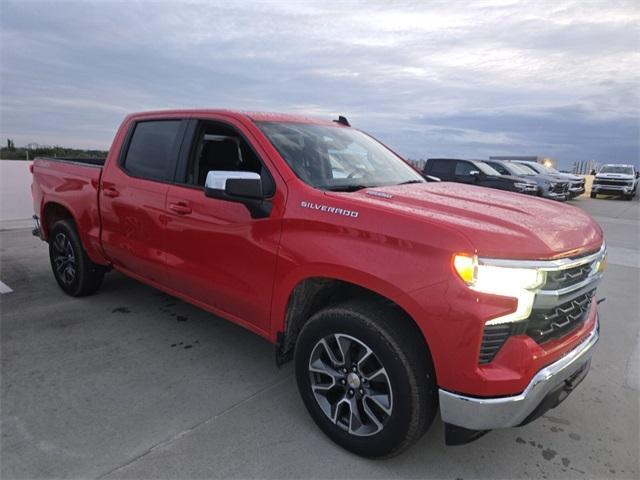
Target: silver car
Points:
x,y
548,186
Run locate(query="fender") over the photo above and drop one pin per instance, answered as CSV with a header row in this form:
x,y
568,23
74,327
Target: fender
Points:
x,y
285,287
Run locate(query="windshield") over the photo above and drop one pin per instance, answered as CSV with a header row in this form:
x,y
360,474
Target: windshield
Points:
x,y
534,167
337,158
520,170
617,169
486,169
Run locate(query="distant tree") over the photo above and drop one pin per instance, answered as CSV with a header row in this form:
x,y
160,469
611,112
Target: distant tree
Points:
x,y
10,145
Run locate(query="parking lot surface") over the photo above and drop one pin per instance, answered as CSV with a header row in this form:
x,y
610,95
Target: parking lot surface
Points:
x,y
132,383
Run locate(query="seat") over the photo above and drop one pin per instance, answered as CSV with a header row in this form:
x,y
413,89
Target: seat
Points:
x,y
218,155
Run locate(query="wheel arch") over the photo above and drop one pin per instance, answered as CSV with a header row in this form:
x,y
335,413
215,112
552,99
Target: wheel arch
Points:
x,y
53,211
311,294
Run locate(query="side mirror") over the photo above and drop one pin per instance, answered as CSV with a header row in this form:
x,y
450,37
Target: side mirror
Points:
x,y
233,185
474,173
237,186
637,174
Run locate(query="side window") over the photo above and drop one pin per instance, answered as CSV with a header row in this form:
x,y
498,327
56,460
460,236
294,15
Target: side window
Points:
x,y
464,169
152,151
439,168
221,148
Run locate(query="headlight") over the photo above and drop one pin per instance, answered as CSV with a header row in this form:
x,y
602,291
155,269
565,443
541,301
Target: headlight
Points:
x,y
552,185
518,283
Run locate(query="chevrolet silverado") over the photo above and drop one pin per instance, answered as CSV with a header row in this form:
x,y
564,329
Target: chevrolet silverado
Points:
x,y
394,297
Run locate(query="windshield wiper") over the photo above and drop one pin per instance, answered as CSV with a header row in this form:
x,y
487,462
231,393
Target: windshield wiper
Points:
x,y
346,188
410,181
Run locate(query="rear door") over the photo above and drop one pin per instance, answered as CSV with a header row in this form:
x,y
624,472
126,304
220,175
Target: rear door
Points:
x,y
133,197
218,255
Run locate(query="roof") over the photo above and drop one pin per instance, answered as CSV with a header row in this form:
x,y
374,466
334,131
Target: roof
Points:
x,y
253,116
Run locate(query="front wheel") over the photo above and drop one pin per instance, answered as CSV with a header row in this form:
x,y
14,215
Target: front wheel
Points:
x,y
366,377
76,274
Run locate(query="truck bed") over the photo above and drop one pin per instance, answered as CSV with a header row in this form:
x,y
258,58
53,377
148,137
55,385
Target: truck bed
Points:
x,y
97,161
69,184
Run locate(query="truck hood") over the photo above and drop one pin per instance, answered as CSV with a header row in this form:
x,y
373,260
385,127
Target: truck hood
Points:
x,y
615,176
569,176
512,178
498,224
548,178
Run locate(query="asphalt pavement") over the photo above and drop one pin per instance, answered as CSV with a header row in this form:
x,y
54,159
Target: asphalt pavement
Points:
x,y
132,383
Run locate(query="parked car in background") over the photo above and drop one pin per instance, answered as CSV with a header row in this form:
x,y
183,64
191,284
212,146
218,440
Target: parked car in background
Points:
x,y
617,180
476,172
576,183
548,186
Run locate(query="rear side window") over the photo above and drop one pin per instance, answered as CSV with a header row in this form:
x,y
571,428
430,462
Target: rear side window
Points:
x,y
153,150
440,168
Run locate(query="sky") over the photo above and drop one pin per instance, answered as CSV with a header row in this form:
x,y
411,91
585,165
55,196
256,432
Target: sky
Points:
x,y
429,78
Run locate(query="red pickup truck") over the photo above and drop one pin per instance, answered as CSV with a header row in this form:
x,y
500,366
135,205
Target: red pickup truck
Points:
x,y
393,296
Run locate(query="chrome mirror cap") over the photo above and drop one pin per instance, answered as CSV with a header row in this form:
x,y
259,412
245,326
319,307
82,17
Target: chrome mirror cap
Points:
x,y
217,180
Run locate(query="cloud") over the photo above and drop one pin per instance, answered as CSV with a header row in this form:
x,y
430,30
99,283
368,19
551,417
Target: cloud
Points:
x,y
428,78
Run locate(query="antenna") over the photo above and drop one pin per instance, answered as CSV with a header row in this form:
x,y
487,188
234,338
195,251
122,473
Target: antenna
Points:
x,y
342,120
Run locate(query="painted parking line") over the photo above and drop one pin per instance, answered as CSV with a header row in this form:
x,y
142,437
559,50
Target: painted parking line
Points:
x,y
4,288
624,257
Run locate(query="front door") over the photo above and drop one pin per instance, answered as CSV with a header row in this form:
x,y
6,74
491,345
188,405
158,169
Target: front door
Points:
x,y
217,253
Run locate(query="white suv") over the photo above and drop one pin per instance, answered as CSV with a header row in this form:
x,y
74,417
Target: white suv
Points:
x,y
616,180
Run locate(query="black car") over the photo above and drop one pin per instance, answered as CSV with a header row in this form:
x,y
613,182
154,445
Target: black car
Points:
x,y
476,172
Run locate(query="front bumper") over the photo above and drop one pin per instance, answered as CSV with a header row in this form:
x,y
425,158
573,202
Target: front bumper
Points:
x,y
529,190
555,195
574,191
614,189
553,382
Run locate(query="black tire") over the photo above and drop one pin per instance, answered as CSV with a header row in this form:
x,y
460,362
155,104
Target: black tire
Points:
x,y
398,347
593,195
76,274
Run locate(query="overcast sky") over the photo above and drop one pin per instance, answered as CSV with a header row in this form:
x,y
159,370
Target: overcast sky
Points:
x,y
449,78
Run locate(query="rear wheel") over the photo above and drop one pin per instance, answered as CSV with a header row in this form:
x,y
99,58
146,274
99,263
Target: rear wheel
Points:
x,y
76,274
366,378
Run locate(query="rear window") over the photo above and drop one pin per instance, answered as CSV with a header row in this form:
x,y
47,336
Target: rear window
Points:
x,y
152,150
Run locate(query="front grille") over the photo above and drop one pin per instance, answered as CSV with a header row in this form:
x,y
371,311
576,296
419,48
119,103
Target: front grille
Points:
x,y
561,188
559,279
555,322
493,338
618,183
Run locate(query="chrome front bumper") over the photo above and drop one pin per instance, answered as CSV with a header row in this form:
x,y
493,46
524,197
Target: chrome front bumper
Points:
x,y
555,196
504,412
612,188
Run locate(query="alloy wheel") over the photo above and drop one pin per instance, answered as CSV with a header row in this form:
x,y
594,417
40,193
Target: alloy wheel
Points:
x,y
350,384
64,259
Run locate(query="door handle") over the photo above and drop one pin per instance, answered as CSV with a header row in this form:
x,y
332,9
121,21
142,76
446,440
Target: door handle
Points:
x,y
110,192
181,208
